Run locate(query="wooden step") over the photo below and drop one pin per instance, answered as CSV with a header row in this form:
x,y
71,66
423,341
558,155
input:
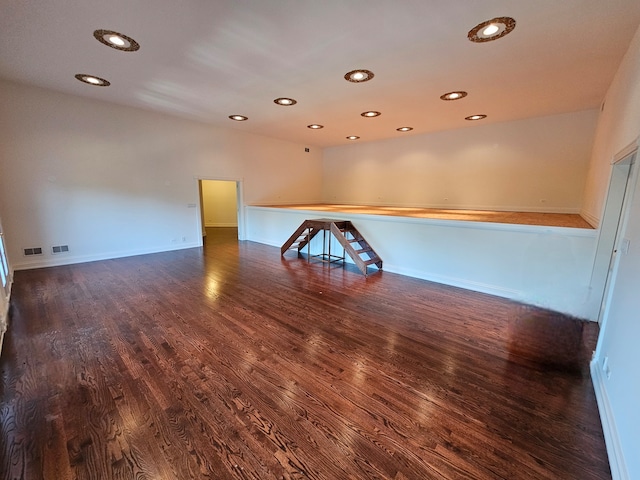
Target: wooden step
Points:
x,y
340,229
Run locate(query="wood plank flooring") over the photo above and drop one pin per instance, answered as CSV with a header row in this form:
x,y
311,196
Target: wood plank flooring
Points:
x,y
570,220
230,362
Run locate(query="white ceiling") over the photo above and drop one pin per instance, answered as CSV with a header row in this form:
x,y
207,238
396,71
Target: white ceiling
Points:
x,y
208,59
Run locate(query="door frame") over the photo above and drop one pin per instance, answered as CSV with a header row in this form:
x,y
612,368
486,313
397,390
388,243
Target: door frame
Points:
x,y
5,289
239,204
624,174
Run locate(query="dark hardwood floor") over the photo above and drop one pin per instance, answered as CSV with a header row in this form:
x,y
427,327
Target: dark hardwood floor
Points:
x,y
230,362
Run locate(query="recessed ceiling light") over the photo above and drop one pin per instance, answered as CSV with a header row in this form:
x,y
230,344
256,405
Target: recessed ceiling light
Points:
x,y
475,117
358,76
453,95
285,101
315,126
238,118
491,29
371,114
404,129
352,137
116,40
93,80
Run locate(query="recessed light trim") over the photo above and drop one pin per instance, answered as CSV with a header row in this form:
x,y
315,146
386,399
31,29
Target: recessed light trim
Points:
x,y
238,118
358,76
286,102
371,114
473,118
457,95
315,126
116,40
92,80
491,29
353,137
404,129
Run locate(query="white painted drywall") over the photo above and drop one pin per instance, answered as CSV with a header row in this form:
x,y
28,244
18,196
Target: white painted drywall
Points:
x,y
619,395
545,266
537,164
219,203
618,125
111,181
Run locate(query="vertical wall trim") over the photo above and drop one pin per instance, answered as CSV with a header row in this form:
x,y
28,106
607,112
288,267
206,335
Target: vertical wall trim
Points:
x,y
4,318
617,462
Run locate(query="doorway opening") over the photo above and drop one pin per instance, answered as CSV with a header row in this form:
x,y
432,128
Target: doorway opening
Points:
x,y
220,210
610,240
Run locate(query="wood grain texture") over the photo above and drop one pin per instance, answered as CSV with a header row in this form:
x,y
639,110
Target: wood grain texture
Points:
x,y
230,362
571,220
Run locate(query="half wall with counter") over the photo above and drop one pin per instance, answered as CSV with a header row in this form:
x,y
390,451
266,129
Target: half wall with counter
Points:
x,y
546,266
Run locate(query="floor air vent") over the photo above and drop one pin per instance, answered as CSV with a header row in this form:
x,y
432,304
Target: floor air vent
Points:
x,y
60,249
33,251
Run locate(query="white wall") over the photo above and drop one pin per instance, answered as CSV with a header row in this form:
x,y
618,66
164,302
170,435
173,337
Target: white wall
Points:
x,y
537,164
619,395
219,203
112,181
618,125
545,266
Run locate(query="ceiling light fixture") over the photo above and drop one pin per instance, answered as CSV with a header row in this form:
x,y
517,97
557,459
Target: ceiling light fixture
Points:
x,y
315,126
358,76
404,129
238,118
371,114
475,117
116,40
352,137
285,101
491,29
92,80
453,95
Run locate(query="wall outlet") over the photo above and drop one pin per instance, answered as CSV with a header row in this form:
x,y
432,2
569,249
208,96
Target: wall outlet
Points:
x,y
624,247
606,368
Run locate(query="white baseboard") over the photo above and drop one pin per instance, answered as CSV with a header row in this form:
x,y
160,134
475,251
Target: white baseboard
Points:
x,y
612,439
218,224
58,260
591,219
453,282
456,282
